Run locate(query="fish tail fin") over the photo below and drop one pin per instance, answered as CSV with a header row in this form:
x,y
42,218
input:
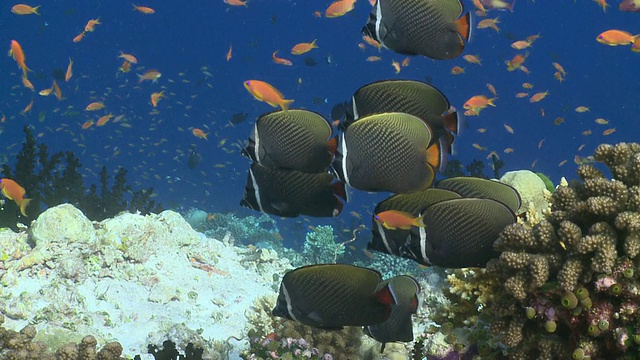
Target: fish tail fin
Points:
x,y
492,101
23,206
463,26
419,221
285,104
140,79
510,7
340,189
452,121
433,155
35,10
313,44
333,145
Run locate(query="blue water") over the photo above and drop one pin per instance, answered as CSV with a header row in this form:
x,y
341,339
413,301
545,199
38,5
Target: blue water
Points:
x,y
183,37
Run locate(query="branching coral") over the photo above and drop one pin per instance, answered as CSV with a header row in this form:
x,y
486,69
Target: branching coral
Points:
x,y
571,284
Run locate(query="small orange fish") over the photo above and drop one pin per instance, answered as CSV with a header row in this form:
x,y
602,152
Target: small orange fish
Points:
x,y
489,23
27,108
150,75
521,95
13,191
79,37
128,57
46,92
22,9
406,62
87,124
199,133
492,89
263,91
601,121
527,85
609,131
603,4
125,67
69,73
236,3
508,128
373,58
616,37
303,48
56,91
586,132
27,83
582,109
396,66
372,42
16,52
457,70
394,219
91,25
279,60
102,121
558,121
538,96
229,52
472,59
155,97
339,8
516,61
560,69
479,102
96,105
144,9
520,44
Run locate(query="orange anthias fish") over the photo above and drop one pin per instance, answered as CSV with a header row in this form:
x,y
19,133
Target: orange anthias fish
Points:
x,y
79,37
69,73
16,52
236,3
151,75
229,53
13,191
516,61
103,120
602,3
479,102
538,96
199,133
303,48
125,67
96,105
56,91
144,9
128,57
22,9
394,219
263,91
155,97
339,8
616,37
279,60
91,25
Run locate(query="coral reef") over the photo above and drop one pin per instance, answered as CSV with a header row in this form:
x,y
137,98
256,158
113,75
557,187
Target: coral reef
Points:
x,y
54,179
320,246
136,279
18,345
569,286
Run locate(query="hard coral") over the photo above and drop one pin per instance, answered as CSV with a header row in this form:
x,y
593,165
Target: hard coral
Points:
x,y
570,284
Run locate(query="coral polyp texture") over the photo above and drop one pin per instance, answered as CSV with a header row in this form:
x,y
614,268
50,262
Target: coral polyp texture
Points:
x,y
570,284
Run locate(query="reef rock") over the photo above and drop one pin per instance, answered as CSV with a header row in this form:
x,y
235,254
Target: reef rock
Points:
x,y
532,191
135,279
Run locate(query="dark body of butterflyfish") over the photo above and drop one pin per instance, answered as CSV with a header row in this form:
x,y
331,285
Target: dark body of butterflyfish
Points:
x,y
294,139
395,242
331,296
387,152
399,326
459,233
290,193
408,96
432,28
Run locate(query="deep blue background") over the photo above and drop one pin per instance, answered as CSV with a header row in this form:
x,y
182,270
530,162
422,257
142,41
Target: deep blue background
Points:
x,y
185,36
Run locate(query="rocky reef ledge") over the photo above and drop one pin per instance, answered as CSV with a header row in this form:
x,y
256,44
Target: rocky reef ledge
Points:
x,y
133,279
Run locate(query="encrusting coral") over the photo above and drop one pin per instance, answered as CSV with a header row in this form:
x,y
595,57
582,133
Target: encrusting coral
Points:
x,y
20,345
571,284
